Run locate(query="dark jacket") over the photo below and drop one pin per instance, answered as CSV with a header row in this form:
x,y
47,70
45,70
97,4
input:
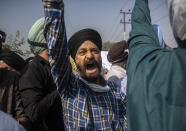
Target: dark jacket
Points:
x,y
40,97
10,98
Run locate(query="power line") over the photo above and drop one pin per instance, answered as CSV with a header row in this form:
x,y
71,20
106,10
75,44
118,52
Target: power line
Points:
x,y
157,7
126,4
118,35
161,18
113,28
114,25
116,29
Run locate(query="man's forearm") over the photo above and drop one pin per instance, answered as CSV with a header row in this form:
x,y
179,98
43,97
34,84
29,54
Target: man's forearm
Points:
x,y
55,34
142,30
54,26
141,12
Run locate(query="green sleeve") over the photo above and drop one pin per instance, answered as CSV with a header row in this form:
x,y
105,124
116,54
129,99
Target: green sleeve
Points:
x,y
143,39
156,79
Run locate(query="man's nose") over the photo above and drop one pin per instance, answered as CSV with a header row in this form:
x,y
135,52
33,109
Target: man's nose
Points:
x,y
89,55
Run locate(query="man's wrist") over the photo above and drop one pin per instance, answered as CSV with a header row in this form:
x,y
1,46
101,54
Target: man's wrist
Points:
x,y
57,4
52,2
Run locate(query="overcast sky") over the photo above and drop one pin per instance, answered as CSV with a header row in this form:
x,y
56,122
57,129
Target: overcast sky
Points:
x,y
102,15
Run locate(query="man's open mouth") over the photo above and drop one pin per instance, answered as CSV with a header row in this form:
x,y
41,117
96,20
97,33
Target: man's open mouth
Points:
x,y
90,66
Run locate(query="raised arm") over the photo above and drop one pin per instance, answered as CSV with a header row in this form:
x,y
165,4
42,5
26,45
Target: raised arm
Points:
x,y
143,41
57,42
142,37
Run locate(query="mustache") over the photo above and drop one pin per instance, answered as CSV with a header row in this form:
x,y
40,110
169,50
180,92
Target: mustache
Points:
x,y
92,62
85,65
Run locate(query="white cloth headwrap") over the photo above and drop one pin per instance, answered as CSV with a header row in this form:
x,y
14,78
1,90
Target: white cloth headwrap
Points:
x,y
177,12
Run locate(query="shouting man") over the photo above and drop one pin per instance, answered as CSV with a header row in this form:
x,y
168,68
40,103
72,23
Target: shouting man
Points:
x,y
89,102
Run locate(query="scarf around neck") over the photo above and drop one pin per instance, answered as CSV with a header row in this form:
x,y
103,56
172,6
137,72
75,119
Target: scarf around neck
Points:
x,y
95,87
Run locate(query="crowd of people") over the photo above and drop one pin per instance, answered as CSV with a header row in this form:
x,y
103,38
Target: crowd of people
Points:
x,y
64,87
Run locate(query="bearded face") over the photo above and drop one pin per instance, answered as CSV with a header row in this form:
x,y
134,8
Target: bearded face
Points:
x,y
88,61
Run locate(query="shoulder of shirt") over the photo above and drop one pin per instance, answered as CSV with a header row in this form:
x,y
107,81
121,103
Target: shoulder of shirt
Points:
x,y
38,62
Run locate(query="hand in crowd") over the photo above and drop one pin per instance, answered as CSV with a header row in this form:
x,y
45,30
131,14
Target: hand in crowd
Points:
x,y
4,65
25,122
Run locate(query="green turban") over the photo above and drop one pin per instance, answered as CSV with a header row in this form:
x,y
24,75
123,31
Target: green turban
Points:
x,y
36,37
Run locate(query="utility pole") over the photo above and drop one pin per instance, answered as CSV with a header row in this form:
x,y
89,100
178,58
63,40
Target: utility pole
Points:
x,y
124,22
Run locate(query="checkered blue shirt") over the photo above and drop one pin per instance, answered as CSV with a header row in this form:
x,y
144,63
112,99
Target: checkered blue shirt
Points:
x,y
83,109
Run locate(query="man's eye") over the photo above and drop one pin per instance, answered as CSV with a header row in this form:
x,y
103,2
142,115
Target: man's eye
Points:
x,y
95,51
82,52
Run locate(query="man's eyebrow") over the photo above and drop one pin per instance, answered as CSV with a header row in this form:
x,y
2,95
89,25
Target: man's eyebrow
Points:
x,y
83,48
94,48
